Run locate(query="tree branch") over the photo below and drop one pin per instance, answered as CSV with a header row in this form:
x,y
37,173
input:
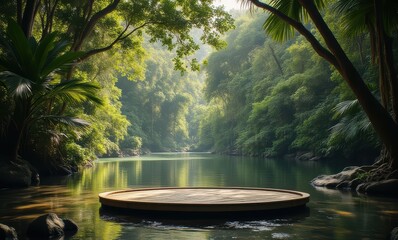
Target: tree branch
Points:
x,y
19,12
276,59
91,23
88,10
323,52
121,37
50,17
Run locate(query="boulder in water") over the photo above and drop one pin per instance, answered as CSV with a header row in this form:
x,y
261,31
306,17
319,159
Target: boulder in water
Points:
x,y
50,225
394,234
7,233
15,175
341,179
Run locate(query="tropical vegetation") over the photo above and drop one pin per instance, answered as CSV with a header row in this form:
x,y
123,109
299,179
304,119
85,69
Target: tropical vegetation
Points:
x,y
360,17
60,61
304,79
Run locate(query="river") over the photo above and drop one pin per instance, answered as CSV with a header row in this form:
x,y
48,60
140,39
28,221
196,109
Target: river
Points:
x,y
331,214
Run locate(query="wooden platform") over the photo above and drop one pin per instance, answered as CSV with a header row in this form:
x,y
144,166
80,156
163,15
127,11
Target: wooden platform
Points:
x,y
200,199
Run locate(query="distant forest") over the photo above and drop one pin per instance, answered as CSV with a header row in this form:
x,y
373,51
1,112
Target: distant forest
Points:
x,y
255,97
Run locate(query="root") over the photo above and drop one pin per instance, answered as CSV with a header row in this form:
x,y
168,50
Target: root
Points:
x,y
381,172
382,169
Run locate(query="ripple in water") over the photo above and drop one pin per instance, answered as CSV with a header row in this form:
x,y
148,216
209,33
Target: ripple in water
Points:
x,y
255,225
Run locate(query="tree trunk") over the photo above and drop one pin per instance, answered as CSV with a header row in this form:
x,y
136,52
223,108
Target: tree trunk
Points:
x,y
360,49
28,18
381,120
391,75
276,59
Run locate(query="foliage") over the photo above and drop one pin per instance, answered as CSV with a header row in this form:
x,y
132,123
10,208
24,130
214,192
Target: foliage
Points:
x,y
381,27
280,99
31,74
112,31
161,108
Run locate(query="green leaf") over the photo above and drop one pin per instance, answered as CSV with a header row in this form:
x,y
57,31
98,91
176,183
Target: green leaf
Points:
x,y
65,120
19,86
61,62
20,48
43,49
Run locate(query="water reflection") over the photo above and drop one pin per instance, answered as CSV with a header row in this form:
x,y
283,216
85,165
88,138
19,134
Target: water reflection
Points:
x,y
333,215
202,220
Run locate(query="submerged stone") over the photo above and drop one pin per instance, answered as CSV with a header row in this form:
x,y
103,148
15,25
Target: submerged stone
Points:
x,y
394,234
7,233
70,227
50,225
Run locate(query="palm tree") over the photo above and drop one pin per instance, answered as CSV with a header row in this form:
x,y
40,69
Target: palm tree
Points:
x,y
289,15
31,72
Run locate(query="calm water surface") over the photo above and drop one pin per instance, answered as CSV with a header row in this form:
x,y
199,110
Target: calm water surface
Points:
x,y
332,214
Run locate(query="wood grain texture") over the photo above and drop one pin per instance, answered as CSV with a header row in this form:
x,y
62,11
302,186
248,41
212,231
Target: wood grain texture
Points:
x,y
200,199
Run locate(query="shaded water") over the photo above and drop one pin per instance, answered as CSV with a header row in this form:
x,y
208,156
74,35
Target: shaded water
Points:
x,y
332,214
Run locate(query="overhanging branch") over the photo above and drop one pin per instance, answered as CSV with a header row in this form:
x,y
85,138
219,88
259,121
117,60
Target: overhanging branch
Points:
x,y
322,51
92,22
120,37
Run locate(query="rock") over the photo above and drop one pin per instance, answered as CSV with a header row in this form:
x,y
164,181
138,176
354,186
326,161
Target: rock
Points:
x,y
332,181
309,156
50,225
389,186
18,173
394,234
15,175
289,157
70,227
343,185
7,233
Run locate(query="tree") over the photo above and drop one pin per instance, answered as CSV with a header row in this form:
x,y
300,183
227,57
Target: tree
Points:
x,y
113,31
287,16
168,21
29,71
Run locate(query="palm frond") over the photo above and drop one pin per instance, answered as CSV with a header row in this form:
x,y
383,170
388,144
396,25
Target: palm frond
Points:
x,y
21,50
61,62
353,122
64,120
345,107
18,86
278,28
8,58
351,127
75,91
356,15
42,50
